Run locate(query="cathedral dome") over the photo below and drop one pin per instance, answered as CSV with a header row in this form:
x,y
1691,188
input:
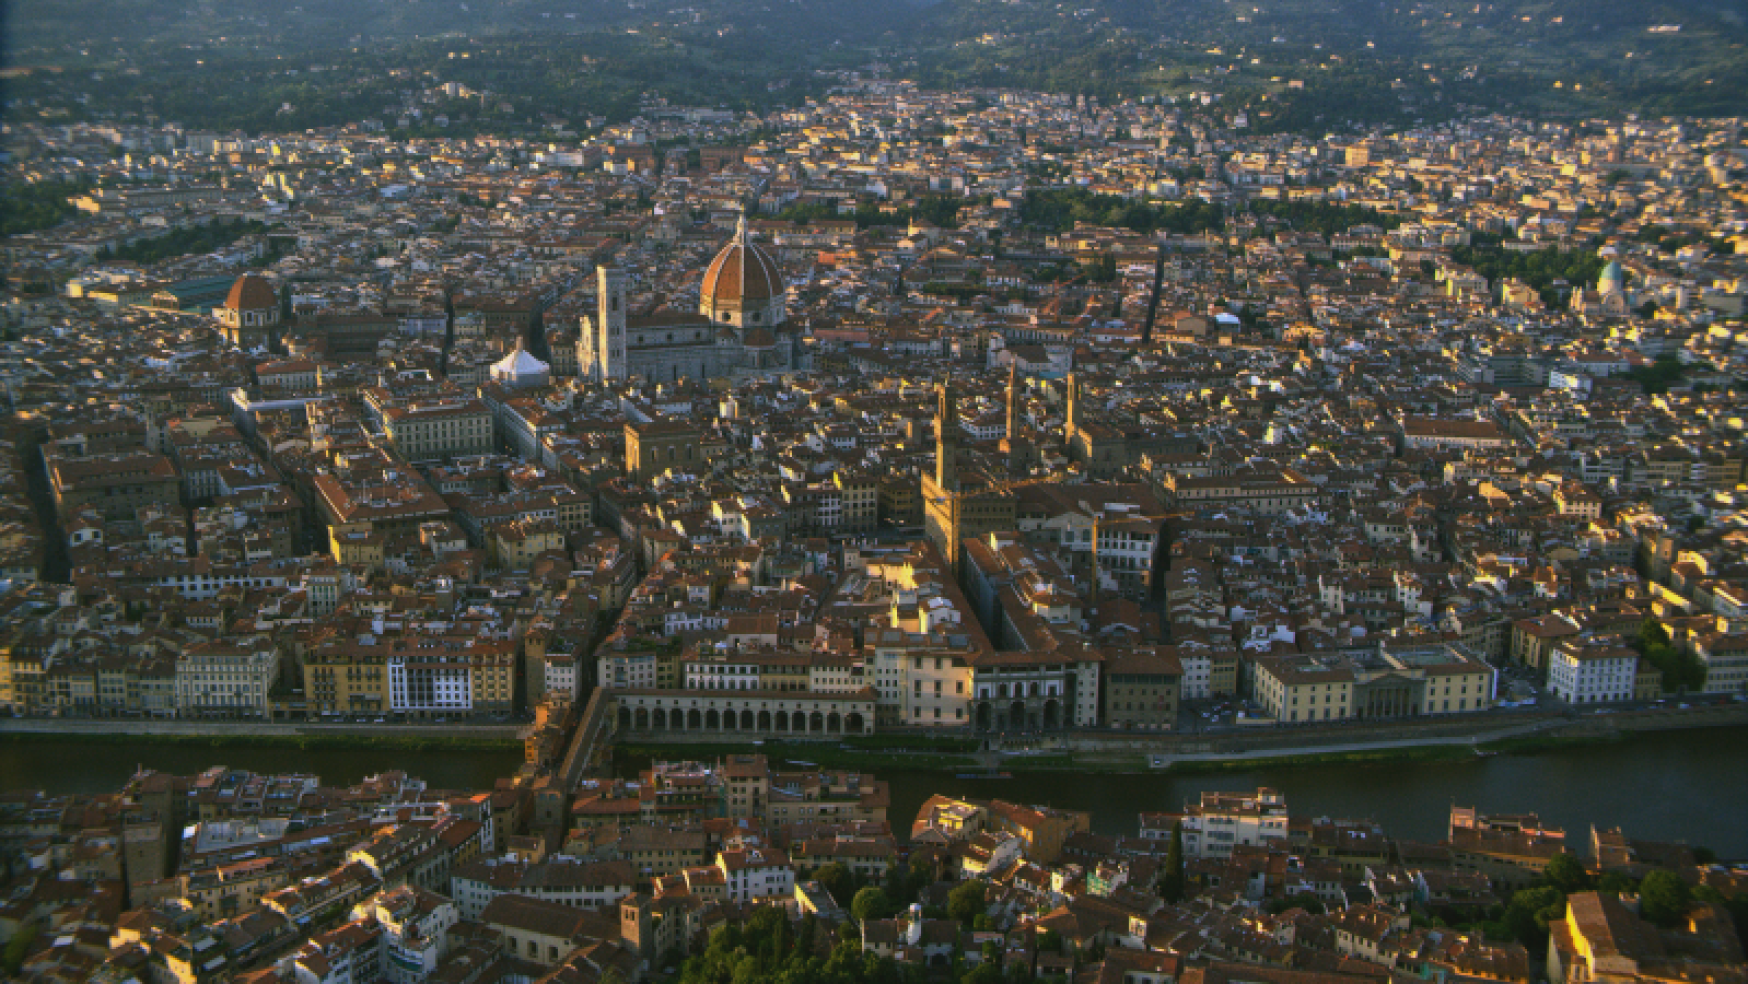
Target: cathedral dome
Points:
x,y
251,293
742,275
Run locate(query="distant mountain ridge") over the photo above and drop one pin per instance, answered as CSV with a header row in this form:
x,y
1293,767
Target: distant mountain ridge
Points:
x,y
1285,63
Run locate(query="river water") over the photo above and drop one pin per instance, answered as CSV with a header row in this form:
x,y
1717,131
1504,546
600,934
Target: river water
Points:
x,y
102,767
1673,785
1669,785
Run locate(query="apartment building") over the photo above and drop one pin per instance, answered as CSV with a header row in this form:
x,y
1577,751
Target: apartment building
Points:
x,y
1222,821
221,679
1597,670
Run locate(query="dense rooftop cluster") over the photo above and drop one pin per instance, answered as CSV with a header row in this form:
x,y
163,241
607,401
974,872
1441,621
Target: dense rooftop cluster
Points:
x,y
273,879
1181,414
927,416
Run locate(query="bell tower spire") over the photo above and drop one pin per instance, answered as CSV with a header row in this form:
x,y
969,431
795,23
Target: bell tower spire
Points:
x,y
946,438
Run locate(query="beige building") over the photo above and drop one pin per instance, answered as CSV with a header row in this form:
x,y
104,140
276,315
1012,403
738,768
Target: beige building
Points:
x,y
859,499
437,429
1270,492
1407,681
346,679
1304,690
116,485
920,687
659,445
226,678
544,933
1141,689
514,545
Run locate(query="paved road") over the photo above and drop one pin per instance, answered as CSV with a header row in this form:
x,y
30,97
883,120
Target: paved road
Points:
x,y
1336,748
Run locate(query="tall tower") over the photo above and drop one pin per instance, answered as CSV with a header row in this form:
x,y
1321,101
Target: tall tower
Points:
x,y
610,325
947,439
1073,404
957,506
1013,428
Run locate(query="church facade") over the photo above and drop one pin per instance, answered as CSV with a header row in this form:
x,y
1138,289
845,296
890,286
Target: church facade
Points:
x,y
739,326
1610,299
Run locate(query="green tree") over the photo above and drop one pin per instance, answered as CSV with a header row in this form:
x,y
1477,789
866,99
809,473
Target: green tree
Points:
x,y
1659,376
17,948
942,210
1566,873
965,901
837,879
1664,898
1060,209
28,207
1171,878
1736,907
1310,903
871,903
1527,915
1681,670
920,875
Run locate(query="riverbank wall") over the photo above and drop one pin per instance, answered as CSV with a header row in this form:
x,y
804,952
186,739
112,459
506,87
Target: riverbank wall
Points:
x,y
1428,733
1094,752
1079,751
260,732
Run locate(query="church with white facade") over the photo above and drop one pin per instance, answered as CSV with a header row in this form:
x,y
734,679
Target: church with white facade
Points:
x,y
739,327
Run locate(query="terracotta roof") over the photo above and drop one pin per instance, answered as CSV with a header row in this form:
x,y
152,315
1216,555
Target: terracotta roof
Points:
x,y
251,293
742,273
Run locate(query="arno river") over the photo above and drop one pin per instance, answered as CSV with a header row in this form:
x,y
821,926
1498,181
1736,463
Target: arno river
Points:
x,y
1672,785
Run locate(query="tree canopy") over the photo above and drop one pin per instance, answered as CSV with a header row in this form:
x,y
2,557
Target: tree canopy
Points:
x,y
1682,670
965,903
1664,898
871,903
1537,268
30,207
1058,209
